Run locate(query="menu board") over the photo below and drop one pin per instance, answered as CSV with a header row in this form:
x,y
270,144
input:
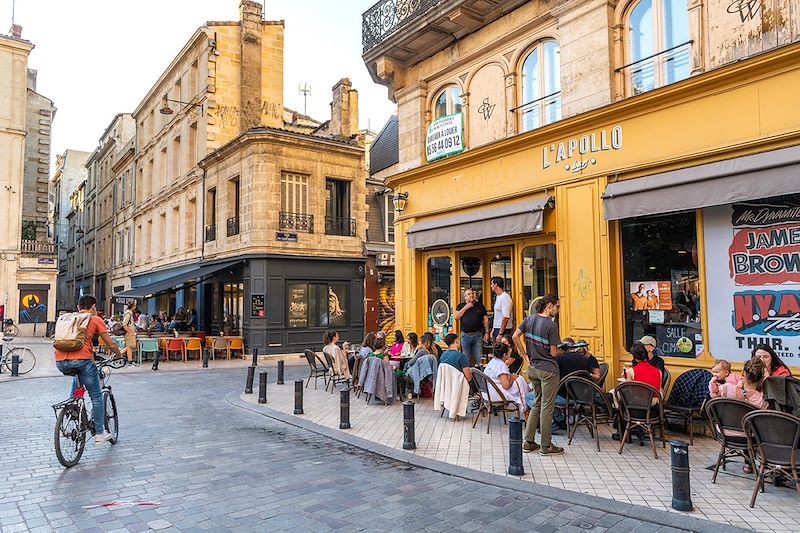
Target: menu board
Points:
x,y
298,305
257,305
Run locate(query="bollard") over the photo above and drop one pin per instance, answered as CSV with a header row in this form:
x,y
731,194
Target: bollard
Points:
x,y
681,494
14,366
251,373
298,397
409,441
155,360
255,357
1,354
262,387
515,447
205,358
280,372
344,407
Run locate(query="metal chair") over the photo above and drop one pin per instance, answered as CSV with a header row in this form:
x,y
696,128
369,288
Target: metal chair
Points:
x,y
317,369
148,345
561,392
725,417
485,384
775,437
235,344
637,409
665,379
335,378
220,345
357,387
582,394
194,345
687,398
603,375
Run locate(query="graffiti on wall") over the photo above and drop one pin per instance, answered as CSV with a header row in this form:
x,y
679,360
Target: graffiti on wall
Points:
x,y
386,308
254,111
32,307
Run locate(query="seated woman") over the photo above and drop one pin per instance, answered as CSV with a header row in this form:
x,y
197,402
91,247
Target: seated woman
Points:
x,y
426,347
513,386
410,346
397,345
642,370
340,366
773,366
379,349
513,358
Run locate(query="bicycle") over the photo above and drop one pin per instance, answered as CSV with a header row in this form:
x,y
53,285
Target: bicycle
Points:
x,y
9,329
72,421
26,358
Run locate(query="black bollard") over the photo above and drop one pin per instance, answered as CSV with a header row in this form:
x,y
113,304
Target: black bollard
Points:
x,y
14,366
344,404
262,387
409,441
255,357
515,447
681,494
298,397
1,357
205,358
156,359
251,373
280,372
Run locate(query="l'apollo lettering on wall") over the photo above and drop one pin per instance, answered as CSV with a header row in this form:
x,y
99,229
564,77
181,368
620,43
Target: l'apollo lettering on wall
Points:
x,y
590,143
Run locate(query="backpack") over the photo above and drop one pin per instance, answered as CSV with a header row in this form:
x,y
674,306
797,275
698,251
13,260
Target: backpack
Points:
x,y
71,331
118,330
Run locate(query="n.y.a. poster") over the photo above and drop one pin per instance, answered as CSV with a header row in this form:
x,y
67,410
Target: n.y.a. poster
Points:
x,y
752,257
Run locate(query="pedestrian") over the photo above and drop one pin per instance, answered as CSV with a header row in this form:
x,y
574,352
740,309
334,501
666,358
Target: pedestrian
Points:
x,y
503,310
474,326
541,344
130,331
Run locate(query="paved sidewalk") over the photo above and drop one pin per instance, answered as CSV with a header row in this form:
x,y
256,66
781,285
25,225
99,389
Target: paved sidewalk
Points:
x,y
633,477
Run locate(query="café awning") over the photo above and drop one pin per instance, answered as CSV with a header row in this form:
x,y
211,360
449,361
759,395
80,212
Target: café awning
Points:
x,y
739,179
515,218
174,282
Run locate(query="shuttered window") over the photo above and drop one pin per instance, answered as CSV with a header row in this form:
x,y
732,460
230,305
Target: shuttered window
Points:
x,y
294,193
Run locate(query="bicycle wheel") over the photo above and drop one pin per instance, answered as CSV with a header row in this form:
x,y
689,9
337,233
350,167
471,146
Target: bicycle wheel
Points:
x,y
70,438
26,359
112,417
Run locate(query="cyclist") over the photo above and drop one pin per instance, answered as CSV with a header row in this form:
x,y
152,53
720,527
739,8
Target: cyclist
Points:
x,y
83,360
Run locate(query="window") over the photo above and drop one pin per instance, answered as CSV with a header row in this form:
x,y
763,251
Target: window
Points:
x,y
122,191
661,287
191,149
539,274
191,215
211,210
440,274
234,197
193,80
541,86
176,158
447,102
337,208
162,179
175,228
294,213
659,44
317,305
389,222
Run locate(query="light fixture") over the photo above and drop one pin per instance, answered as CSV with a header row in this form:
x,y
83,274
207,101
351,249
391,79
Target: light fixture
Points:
x,y
399,201
652,268
167,110
682,252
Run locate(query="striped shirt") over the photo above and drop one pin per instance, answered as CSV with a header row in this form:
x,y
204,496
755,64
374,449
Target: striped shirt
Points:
x,y
540,334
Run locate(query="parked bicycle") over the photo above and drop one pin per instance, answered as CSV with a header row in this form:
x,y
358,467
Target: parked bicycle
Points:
x,y
26,358
9,328
72,420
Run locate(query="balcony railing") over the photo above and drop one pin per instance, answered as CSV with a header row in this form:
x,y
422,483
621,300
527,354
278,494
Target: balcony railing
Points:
x,y
388,16
211,232
233,226
539,112
296,222
665,67
31,247
340,226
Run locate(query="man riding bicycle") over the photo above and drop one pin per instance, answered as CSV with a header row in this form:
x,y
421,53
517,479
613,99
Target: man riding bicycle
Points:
x,y
83,361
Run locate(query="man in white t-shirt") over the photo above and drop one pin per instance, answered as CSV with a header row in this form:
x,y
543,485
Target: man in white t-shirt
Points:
x,y
503,319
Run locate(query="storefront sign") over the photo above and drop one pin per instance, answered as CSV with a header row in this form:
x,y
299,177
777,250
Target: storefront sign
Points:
x,y
590,143
386,259
753,271
675,340
445,137
257,305
283,236
298,305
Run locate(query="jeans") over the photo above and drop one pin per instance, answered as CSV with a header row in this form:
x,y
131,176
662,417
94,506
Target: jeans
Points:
x,y
545,387
90,379
472,347
558,414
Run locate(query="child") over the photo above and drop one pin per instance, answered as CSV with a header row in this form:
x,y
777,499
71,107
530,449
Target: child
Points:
x,y
750,386
723,383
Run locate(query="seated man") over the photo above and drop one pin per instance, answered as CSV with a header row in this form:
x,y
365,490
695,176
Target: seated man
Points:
x,y
454,357
572,360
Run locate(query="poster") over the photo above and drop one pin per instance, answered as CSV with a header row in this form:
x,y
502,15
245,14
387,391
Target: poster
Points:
x,y
257,305
32,306
753,272
298,305
444,137
647,295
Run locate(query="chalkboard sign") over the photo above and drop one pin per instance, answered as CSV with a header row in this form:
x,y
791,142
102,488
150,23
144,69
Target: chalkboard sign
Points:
x,y
676,339
257,305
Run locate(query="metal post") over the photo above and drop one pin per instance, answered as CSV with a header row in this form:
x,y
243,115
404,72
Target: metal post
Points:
x,y
681,495
255,357
1,349
205,358
344,407
515,467
251,373
262,387
298,397
409,441
157,358
14,365
280,372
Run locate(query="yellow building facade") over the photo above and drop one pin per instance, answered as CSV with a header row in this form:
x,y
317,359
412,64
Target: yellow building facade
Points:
x,y
648,205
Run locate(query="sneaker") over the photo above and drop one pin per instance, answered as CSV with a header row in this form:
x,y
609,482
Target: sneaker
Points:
x,y
103,437
551,450
528,447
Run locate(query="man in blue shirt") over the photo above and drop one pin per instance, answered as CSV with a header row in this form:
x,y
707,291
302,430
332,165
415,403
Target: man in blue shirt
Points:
x,y
454,357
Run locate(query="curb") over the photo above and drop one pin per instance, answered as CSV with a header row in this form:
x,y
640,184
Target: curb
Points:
x,y
655,516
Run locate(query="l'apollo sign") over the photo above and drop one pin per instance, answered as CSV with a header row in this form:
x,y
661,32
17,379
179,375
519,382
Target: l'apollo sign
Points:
x,y
590,143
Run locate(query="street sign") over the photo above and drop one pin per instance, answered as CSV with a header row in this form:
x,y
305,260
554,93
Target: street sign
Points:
x,y
283,236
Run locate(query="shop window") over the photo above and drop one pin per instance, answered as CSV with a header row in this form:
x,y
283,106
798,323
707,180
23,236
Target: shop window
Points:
x,y
541,86
440,274
388,208
447,102
500,267
658,44
539,275
661,286
312,305
232,306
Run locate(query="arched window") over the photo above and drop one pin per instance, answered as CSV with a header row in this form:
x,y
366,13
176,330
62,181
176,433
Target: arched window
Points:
x,y
541,86
658,44
447,102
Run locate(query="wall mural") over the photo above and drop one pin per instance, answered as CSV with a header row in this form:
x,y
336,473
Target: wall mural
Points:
x,y
32,307
386,308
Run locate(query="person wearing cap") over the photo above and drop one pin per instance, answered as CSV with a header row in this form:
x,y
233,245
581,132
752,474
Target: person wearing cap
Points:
x,y
572,360
653,353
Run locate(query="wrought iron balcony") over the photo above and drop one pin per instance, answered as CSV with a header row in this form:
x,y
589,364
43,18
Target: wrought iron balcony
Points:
x,y
388,16
296,222
211,232
233,226
34,247
340,226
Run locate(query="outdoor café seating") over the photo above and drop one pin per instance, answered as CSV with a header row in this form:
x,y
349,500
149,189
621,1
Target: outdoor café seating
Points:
x,y
148,345
486,404
451,392
687,397
172,346
335,377
377,379
725,417
774,438
589,404
317,369
219,344
640,407
193,345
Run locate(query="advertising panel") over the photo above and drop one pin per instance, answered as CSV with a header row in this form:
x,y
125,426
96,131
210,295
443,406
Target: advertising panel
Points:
x,y
445,137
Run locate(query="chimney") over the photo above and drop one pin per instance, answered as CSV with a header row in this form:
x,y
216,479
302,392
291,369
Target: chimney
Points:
x,y
344,110
250,17
16,31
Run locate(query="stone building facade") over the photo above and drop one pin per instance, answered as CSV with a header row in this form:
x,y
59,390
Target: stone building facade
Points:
x,y
40,114
124,174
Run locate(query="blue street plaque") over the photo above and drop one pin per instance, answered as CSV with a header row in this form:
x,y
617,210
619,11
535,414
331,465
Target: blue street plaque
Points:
x,y
285,237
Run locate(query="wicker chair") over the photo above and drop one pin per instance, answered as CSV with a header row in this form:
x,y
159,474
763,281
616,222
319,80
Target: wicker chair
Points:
x,y
485,384
725,417
637,409
317,369
775,438
581,394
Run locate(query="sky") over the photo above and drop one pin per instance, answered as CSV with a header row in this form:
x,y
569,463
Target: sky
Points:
x,y
99,58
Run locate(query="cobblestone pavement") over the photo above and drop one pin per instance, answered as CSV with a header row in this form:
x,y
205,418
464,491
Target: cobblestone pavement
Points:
x,y
213,466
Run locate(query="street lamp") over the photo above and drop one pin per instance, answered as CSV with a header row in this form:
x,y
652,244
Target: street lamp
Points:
x,y
399,201
166,110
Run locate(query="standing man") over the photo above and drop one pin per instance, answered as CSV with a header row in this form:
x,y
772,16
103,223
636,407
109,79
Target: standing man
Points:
x,y
503,314
541,345
474,326
130,331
